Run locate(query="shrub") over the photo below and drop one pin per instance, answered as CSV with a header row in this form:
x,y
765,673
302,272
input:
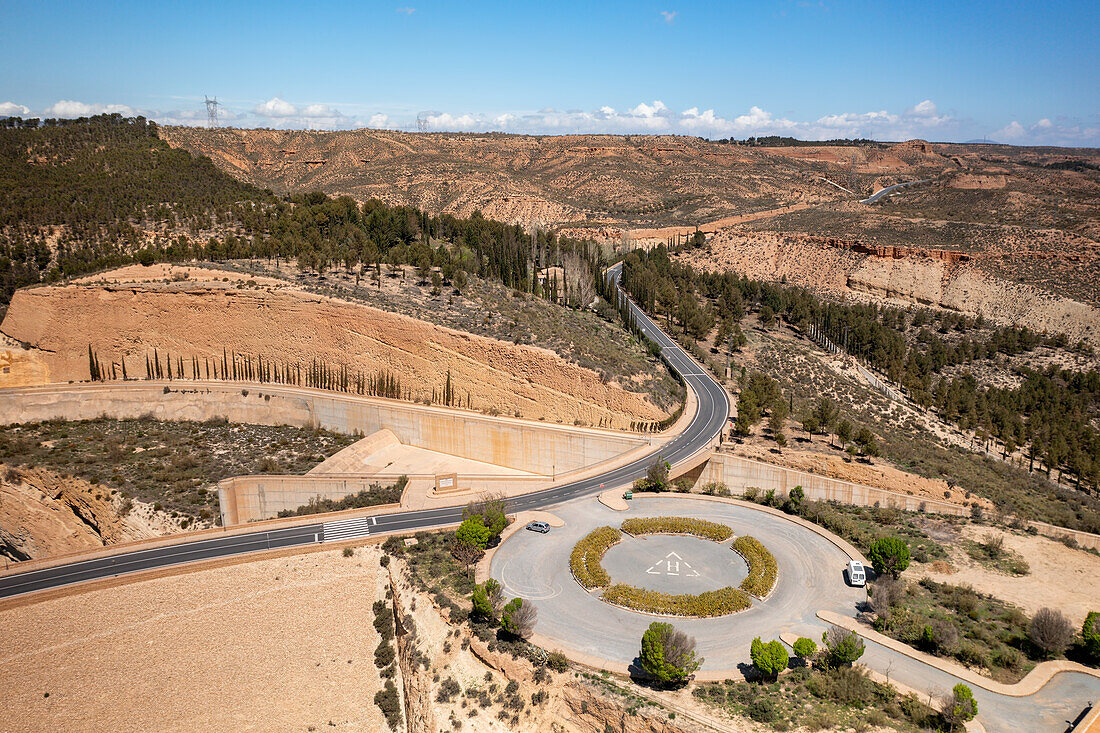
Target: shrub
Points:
x,y
678,525
387,701
886,593
1050,631
384,654
668,655
519,617
557,662
960,706
805,648
709,603
584,561
493,511
769,658
762,710
889,555
763,570
842,647
1090,631
349,552
447,690
473,532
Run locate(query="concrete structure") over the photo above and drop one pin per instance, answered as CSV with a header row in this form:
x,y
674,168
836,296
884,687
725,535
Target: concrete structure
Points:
x,y
738,472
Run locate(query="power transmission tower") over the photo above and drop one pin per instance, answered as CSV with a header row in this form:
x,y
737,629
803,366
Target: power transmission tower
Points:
x,y
422,122
211,112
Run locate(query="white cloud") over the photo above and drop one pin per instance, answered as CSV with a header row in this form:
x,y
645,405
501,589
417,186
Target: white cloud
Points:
x,y
1060,131
275,107
645,110
406,10
669,15
378,121
11,109
927,108
71,108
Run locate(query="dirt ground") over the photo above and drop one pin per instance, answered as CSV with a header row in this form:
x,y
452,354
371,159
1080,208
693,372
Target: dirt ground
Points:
x,y
128,319
1062,578
274,645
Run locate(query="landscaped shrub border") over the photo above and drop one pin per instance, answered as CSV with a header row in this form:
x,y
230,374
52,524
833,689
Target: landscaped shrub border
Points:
x,y
584,561
763,570
703,605
678,525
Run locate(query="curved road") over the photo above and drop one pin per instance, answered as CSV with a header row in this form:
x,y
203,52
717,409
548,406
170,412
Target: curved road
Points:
x,y
889,189
711,416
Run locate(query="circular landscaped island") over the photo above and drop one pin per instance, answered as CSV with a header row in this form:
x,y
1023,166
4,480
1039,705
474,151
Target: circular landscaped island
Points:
x,y
750,563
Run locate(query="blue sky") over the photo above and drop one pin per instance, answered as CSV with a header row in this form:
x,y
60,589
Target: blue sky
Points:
x,y
1014,72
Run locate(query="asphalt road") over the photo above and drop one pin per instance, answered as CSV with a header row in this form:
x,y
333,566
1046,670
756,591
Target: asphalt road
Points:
x,y
889,189
712,413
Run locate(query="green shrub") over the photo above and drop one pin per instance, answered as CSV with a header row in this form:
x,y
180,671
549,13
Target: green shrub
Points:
x,y
769,658
1090,631
763,570
447,690
762,710
388,702
709,603
843,647
960,706
678,525
473,532
349,552
557,662
668,655
584,561
384,654
805,648
889,555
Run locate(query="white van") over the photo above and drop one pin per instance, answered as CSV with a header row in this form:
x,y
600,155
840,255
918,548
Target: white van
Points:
x,y
856,574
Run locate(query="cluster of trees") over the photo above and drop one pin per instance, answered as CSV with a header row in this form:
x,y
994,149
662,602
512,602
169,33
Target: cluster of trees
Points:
x,y
781,141
482,522
1052,412
65,211
516,617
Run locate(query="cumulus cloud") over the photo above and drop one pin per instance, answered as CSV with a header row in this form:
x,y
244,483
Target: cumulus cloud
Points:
x,y
1060,131
669,15
283,114
71,108
379,121
11,109
275,107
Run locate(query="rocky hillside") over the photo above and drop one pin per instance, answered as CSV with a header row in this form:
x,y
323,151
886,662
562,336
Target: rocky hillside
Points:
x,y
43,513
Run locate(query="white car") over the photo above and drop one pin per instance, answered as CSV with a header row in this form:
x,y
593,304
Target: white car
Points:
x,y
856,574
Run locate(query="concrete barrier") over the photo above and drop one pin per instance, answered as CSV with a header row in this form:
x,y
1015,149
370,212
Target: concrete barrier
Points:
x,y
530,446
738,472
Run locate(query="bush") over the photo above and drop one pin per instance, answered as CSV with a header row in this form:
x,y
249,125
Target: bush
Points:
x,y
557,662
447,690
349,552
960,706
519,617
387,701
1090,632
763,570
762,710
384,654
709,603
842,647
889,555
769,658
584,561
805,648
1050,631
473,532
678,525
668,655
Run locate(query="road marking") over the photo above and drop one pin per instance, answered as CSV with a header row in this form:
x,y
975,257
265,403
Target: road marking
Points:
x,y
673,567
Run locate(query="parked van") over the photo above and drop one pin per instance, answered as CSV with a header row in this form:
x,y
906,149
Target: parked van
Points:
x,y
856,574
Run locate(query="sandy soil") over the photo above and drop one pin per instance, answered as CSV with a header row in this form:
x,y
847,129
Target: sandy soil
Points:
x,y
273,645
201,317
1065,579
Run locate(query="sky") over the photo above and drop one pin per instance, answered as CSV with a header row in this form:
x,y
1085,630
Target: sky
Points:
x,y
1013,72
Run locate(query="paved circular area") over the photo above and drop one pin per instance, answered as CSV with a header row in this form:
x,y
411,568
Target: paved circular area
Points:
x,y
674,563
536,566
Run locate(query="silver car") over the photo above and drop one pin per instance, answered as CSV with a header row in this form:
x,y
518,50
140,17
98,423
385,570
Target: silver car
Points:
x,y
539,527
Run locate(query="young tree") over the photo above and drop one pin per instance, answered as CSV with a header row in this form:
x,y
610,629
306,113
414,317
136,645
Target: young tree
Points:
x,y
959,706
844,431
889,555
1051,631
473,532
810,425
518,618
1090,632
769,658
487,599
668,655
493,511
805,649
657,474
842,647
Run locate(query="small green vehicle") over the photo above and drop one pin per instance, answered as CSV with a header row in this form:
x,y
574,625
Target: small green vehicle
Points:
x,y
628,495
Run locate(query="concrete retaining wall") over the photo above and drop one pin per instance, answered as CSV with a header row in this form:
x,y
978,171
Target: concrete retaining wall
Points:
x,y
737,473
246,499
528,446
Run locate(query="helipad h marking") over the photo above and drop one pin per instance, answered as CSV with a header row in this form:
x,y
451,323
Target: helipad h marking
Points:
x,y
673,567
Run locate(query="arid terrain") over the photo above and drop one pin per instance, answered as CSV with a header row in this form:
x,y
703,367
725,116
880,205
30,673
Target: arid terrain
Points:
x,y
200,316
